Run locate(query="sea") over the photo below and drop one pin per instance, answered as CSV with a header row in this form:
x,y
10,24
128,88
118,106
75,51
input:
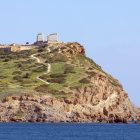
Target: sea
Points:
x,y
50,131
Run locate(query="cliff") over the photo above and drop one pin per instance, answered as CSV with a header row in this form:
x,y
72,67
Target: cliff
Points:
x,y
78,90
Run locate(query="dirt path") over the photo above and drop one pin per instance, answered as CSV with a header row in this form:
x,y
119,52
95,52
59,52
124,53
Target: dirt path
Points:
x,y
33,56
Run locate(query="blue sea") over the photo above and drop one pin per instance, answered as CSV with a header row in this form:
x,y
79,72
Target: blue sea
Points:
x,y
45,131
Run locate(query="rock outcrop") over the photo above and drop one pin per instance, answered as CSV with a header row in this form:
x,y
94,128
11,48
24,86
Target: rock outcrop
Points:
x,y
73,49
100,102
87,105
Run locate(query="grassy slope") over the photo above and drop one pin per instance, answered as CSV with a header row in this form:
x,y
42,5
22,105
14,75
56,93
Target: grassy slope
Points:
x,y
65,73
10,69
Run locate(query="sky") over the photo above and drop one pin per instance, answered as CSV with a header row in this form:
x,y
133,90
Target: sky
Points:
x,y
109,30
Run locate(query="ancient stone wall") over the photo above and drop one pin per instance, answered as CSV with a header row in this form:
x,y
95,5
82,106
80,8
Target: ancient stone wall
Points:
x,y
21,48
16,48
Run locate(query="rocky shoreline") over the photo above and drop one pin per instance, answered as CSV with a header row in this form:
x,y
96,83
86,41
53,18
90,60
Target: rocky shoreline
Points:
x,y
33,108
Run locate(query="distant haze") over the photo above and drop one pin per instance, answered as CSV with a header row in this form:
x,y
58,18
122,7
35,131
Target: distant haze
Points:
x,y
109,30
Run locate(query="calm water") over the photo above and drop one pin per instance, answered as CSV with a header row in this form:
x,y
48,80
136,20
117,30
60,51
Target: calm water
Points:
x,y
69,132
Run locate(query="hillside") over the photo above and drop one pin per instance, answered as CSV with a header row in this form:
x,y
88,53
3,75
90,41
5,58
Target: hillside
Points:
x,y
58,83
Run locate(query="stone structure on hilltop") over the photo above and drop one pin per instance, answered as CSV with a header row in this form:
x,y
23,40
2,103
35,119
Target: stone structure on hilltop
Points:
x,y
16,48
40,37
52,38
19,48
5,48
40,41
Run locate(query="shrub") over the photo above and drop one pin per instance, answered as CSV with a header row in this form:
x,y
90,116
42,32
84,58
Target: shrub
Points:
x,y
60,58
41,49
59,80
57,75
62,92
91,73
17,72
26,75
6,60
84,81
19,65
3,85
40,68
26,82
2,77
93,63
42,88
57,58
18,78
68,69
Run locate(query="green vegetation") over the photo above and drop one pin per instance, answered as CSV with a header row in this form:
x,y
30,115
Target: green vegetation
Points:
x,y
17,55
85,81
53,57
63,76
19,73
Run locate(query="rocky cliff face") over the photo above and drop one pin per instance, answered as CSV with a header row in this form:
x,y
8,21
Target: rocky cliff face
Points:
x,y
103,100
86,106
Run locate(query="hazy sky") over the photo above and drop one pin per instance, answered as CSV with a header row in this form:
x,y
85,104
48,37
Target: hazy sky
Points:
x,y
109,30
